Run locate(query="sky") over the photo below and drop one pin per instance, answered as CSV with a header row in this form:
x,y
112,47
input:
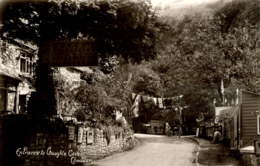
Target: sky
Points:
x,y
155,2
183,3
178,8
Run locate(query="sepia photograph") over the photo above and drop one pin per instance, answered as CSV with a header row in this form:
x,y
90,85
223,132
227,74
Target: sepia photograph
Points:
x,y
129,82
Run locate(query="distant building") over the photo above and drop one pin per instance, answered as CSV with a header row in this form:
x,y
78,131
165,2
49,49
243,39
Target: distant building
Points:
x,y
247,119
241,124
72,77
225,118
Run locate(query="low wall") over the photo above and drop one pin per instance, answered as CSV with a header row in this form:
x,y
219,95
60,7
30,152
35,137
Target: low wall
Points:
x,y
49,144
249,159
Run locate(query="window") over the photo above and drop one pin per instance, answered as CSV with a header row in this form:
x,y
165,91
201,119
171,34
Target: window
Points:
x,y
27,66
258,124
8,95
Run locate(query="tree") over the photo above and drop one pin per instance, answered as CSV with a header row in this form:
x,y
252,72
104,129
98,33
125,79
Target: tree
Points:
x,y
199,101
103,21
239,22
149,110
169,116
197,52
41,22
206,49
146,82
105,94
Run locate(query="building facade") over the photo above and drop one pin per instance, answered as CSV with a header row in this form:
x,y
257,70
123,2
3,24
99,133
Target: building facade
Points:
x,y
17,74
18,62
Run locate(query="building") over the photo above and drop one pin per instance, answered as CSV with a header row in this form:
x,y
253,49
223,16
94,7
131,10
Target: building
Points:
x,y
209,126
241,124
249,126
226,120
18,62
246,119
72,78
17,71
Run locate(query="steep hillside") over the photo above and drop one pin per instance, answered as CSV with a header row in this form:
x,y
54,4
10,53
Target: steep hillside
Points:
x,y
179,8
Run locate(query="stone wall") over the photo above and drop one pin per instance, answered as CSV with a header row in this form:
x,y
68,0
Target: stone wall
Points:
x,y
249,159
52,147
103,147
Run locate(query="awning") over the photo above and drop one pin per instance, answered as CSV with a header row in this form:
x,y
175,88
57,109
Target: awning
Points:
x,y
248,149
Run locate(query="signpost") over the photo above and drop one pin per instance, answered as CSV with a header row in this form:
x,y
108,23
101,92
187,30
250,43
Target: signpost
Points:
x,y
80,135
73,53
71,133
90,137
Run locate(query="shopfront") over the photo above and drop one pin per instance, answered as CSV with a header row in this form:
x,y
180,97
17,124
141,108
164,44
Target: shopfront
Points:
x,y
8,94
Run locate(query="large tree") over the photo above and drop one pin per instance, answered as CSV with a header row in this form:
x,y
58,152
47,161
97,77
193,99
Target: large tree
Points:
x,y
205,49
198,51
121,28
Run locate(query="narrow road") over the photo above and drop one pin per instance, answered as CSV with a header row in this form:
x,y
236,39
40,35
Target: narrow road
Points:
x,y
156,151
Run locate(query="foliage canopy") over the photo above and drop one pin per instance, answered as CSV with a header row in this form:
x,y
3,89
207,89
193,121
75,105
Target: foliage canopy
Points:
x,y
117,26
198,51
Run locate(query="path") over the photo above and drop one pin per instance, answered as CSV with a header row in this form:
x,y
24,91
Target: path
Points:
x,y
156,151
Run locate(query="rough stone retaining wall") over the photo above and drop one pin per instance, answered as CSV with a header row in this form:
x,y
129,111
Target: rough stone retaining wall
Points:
x,y
101,147
249,159
55,148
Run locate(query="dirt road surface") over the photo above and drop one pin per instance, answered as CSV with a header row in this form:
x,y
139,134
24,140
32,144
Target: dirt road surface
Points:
x,y
155,151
